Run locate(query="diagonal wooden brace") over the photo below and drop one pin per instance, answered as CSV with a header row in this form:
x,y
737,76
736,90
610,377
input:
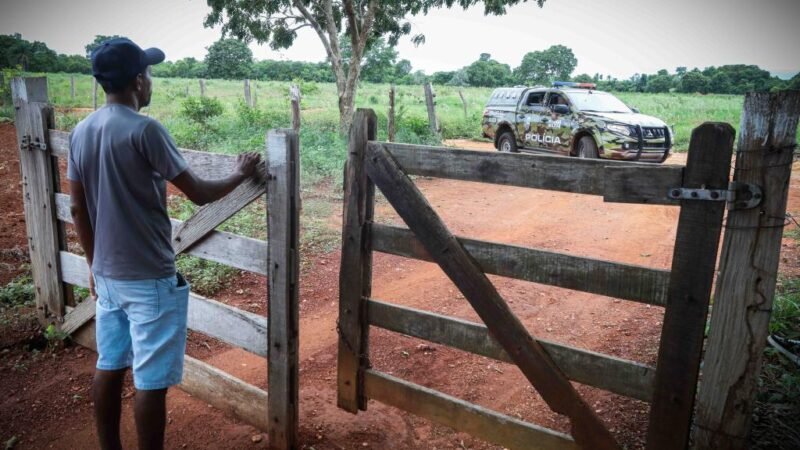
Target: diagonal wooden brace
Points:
x,y
210,216
587,429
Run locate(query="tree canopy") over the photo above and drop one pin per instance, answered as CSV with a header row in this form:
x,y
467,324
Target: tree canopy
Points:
x,y
276,23
546,66
229,59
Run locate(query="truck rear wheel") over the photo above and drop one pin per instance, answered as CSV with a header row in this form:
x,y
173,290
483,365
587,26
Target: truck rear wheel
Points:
x,y
506,142
587,149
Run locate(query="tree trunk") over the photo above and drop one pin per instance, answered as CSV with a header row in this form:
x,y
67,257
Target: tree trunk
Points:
x,y
346,109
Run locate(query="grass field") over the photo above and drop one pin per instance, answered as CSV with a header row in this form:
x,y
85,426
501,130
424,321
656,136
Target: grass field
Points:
x,y
682,111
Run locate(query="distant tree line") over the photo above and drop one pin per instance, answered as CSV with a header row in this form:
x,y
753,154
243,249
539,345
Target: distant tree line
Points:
x,y
728,79
232,59
36,56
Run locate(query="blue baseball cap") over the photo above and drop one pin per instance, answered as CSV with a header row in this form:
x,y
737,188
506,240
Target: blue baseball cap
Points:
x,y
118,61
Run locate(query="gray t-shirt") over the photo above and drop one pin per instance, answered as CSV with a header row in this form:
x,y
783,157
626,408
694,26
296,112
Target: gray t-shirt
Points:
x,y
123,159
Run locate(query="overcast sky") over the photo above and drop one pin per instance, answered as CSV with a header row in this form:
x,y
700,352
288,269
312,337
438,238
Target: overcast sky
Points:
x,y
618,37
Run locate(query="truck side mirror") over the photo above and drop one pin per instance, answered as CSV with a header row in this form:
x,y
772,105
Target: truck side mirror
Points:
x,y
560,109
635,109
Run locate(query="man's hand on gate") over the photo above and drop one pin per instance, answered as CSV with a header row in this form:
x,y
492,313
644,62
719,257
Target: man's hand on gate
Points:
x,y
202,191
246,164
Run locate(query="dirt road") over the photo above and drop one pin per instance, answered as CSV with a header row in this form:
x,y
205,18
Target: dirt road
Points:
x,y
571,223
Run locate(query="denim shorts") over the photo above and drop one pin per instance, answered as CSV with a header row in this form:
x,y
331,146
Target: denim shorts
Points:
x,y
142,324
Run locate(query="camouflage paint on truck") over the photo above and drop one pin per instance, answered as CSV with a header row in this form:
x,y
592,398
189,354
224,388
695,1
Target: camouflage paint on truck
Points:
x,y
530,114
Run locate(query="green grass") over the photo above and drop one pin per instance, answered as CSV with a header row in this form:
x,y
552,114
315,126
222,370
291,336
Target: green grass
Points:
x,y
681,111
18,291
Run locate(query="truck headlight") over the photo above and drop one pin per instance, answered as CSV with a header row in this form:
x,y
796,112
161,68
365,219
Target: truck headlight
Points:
x,y
619,129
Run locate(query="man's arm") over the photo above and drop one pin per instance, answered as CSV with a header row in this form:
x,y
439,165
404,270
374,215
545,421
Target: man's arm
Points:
x,y
83,225
201,191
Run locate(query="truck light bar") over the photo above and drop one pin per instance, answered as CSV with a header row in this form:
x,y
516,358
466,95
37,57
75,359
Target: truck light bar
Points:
x,y
573,84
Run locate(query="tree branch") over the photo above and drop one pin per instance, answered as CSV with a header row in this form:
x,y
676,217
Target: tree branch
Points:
x,y
315,25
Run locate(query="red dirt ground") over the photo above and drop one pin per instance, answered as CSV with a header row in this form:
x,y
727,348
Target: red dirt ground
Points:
x,y
44,396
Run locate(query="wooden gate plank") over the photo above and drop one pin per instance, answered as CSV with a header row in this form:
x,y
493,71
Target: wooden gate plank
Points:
x,y
444,248
613,374
209,216
747,273
693,266
232,325
230,249
355,278
33,114
463,416
618,280
283,166
556,173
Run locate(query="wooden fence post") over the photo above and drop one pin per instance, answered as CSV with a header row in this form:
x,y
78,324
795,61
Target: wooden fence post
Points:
x,y
748,271
72,87
202,87
34,117
283,255
431,105
94,93
355,283
294,94
693,267
463,102
392,125
247,100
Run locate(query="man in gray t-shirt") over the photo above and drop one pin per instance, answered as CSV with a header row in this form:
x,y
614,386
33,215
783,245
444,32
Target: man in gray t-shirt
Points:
x,y
119,164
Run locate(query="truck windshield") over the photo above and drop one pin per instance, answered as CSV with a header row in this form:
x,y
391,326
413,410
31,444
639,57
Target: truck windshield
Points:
x,y
597,102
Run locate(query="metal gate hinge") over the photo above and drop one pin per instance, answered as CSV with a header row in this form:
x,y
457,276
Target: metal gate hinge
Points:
x,y
28,144
738,195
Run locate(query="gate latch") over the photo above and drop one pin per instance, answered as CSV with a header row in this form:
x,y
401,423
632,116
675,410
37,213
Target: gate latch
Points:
x,y
738,195
31,144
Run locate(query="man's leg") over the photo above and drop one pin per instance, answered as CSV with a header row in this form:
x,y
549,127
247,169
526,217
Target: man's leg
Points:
x,y
114,358
107,397
157,311
150,410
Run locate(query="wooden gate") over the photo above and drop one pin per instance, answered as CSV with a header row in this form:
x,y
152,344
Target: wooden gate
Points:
x,y
683,291
56,270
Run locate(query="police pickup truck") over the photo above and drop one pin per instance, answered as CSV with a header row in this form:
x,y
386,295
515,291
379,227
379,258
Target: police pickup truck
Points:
x,y
573,119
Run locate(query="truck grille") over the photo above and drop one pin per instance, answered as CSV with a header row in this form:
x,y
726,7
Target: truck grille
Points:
x,y
652,132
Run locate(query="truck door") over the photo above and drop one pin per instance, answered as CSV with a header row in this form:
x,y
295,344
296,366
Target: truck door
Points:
x,y
558,124
532,112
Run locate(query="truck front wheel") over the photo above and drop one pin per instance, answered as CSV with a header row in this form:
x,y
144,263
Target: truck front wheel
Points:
x,y
587,148
506,142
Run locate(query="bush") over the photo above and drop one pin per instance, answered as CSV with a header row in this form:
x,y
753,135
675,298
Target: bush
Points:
x,y
201,109
306,87
254,117
415,124
206,277
18,291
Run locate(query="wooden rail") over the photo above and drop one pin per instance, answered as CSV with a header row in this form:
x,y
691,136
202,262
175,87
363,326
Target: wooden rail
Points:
x,y
611,279
623,182
225,248
613,374
462,416
218,320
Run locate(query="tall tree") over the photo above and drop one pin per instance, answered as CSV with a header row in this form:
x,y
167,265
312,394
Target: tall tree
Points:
x,y
230,59
277,23
98,39
546,66
487,72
